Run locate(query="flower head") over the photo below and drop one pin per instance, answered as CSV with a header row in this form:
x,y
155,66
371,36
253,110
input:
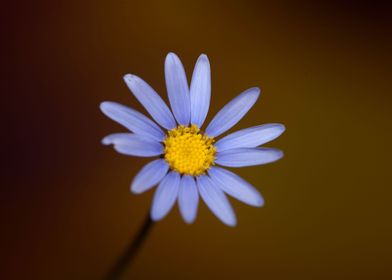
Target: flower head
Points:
x,y
186,167
188,151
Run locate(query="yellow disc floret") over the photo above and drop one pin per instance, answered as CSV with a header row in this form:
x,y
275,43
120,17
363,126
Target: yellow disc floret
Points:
x,y
188,151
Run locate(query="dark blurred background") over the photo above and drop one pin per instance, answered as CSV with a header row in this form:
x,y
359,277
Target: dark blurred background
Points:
x,y
325,71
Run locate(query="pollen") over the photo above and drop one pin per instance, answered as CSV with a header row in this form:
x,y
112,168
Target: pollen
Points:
x,y
188,151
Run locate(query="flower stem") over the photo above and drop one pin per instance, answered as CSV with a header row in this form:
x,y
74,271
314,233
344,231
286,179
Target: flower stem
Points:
x,y
131,252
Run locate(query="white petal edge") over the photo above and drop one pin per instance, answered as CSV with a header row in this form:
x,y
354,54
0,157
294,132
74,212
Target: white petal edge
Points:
x,y
151,101
248,156
250,137
235,186
132,120
134,145
216,200
188,199
177,89
165,196
200,91
149,176
232,112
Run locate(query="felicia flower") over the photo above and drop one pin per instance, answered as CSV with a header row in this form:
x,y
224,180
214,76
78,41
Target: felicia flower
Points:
x,y
188,156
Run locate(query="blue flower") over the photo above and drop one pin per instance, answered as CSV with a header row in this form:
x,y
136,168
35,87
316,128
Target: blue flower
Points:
x,y
187,161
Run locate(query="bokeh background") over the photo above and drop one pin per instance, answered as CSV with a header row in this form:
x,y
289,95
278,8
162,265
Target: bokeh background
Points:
x,y
325,71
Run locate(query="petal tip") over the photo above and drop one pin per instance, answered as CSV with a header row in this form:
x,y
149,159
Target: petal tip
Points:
x,y
134,189
280,128
171,55
259,203
232,223
279,155
255,91
106,141
203,58
189,221
252,93
155,217
130,78
105,106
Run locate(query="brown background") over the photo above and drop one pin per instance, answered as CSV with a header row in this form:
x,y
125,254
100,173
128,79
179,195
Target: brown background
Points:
x,y
325,70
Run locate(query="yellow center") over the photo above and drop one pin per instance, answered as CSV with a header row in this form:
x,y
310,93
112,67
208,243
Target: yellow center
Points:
x,y
188,151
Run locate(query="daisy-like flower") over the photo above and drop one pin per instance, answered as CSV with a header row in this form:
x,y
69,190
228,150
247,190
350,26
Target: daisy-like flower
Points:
x,y
187,161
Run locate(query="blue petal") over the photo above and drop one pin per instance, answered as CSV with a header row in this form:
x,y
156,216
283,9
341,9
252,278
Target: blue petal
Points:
x,y
133,120
134,145
232,112
188,199
200,91
235,186
216,200
250,137
153,103
116,137
177,89
150,175
248,156
165,196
